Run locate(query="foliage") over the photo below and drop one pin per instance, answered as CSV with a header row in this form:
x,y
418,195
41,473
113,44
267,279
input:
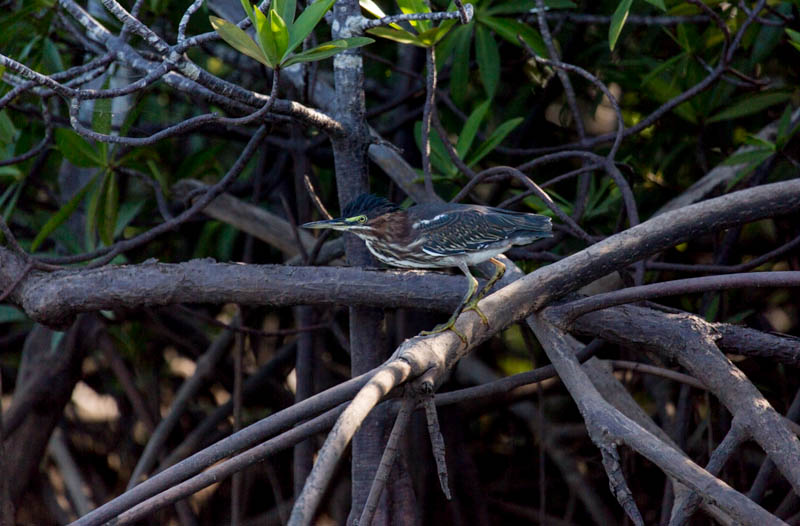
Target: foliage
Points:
x,y
279,34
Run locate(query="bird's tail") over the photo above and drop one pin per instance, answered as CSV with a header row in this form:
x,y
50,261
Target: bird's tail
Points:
x,y
539,225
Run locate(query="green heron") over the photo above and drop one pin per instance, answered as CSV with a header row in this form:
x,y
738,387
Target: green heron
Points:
x,y
439,235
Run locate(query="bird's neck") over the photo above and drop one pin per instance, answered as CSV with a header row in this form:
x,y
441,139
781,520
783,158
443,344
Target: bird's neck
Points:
x,y
394,227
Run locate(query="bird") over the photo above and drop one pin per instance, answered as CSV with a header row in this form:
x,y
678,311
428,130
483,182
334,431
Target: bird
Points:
x,y
439,235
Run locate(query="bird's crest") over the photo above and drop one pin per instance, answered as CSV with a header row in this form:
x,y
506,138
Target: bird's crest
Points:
x,y
369,205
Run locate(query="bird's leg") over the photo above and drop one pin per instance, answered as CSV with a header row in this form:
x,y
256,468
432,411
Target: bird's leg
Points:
x,y
449,324
499,270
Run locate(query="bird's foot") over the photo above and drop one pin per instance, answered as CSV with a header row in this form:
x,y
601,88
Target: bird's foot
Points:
x,y
450,324
473,305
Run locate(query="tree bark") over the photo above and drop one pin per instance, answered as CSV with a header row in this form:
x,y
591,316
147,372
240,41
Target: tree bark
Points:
x,y
367,342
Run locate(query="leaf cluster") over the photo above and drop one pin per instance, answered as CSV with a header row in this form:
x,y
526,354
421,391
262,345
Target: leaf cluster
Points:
x,y
279,34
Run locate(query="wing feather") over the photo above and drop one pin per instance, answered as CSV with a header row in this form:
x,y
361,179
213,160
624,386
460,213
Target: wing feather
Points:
x,y
472,229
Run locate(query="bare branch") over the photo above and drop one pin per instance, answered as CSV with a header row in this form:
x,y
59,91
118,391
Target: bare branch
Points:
x,y
437,444
387,460
602,419
380,384
464,15
572,310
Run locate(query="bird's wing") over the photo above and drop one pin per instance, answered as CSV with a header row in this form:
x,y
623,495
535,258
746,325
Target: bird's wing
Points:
x,y
469,230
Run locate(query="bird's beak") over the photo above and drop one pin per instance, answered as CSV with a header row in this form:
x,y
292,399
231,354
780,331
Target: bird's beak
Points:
x,y
335,224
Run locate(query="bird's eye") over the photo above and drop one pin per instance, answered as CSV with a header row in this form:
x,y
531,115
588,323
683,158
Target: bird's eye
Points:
x,y
361,219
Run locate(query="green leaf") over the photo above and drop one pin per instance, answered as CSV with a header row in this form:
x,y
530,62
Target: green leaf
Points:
x,y
747,170
444,49
374,9
785,130
63,213
459,75
328,49
110,210
494,139
439,158
416,6
432,36
508,29
444,28
756,156
12,172
488,59
94,217
739,317
758,142
660,91
266,39
713,308
286,9
767,38
667,64
8,131
130,118
682,38
784,123
750,105
238,39
280,34
7,193
404,37
101,120
248,8
617,21
76,150
51,59
158,176
307,21
127,211
471,128
12,203
658,3
101,114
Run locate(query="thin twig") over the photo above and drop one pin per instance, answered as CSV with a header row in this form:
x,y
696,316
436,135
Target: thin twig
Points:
x,y
430,100
437,444
578,308
464,14
718,269
104,255
312,193
236,482
657,371
569,91
387,460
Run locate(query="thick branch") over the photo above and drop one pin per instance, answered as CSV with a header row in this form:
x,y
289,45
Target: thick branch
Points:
x,y
691,341
54,298
608,424
526,295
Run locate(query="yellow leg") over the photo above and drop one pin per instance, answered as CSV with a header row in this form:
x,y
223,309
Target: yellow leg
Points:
x,y
449,324
499,270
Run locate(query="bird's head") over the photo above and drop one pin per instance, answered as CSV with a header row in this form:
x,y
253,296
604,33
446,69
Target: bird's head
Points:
x,y
359,216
